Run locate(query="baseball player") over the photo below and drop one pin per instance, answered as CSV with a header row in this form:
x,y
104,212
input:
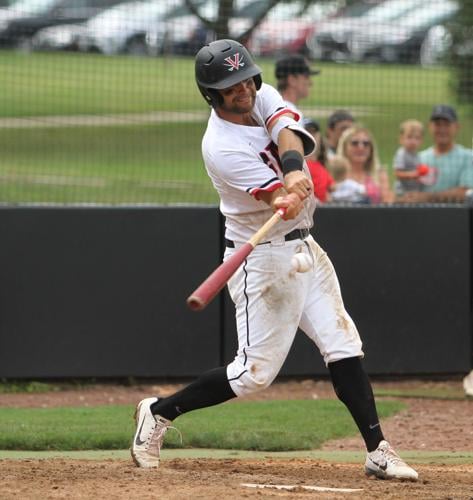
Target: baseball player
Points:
x,y
253,151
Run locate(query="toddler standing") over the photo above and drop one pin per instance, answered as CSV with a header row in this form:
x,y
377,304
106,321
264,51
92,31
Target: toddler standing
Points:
x,y
407,166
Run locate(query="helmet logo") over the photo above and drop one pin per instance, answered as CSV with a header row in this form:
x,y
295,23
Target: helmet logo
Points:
x,y
234,62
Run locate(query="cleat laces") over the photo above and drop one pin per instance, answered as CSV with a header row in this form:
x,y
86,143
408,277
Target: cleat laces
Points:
x,y
156,435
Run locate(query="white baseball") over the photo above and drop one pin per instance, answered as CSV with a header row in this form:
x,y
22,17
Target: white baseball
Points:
x,y
301,262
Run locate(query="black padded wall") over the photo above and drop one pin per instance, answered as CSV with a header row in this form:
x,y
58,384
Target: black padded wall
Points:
x,y
101,292
405,275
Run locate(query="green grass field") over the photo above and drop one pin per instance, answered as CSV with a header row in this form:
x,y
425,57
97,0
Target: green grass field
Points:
x,y
263,426
160,162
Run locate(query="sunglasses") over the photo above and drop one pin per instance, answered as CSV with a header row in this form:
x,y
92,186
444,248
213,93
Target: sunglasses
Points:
x,y
366,144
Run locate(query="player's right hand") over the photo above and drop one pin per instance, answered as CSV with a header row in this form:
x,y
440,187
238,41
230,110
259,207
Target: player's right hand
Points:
x,y
298,183
291,202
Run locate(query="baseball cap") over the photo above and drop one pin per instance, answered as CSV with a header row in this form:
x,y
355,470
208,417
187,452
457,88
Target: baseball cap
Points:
x,y
445,112
311,124
338,116
293,65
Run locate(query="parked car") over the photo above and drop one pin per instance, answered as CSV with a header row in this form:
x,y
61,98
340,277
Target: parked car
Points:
x,y
24,18
123,27
183,33
60,37
401,41
331,41
436,45
287,27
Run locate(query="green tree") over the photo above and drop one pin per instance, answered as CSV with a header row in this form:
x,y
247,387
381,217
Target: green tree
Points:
x,y
461,52
220,26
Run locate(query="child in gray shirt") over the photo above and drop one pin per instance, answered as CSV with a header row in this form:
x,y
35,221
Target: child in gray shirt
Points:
x,y
407,166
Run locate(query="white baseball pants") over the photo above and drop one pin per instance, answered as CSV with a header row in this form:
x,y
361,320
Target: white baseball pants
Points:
x,y
272,301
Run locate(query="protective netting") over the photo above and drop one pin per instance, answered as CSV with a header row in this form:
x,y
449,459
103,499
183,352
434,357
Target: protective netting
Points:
x,y
98,102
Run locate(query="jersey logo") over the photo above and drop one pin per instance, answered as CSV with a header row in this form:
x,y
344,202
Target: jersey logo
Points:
x,y
234,62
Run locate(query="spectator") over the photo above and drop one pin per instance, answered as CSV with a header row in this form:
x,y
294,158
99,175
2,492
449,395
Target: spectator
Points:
x,y
293,80
317,161
358,146
346,190
408,169
337,123
453,162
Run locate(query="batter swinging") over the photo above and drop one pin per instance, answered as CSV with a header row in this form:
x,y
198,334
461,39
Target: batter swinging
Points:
x,y
253,150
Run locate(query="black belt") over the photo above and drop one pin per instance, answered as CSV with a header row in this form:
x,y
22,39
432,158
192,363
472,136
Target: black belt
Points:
x,y
296,234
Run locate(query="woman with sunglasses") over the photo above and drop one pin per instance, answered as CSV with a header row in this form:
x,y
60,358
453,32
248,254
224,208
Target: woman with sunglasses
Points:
x,y
357,145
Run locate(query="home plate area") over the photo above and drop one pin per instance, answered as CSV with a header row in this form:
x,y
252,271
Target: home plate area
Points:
x,y
221,479
293,487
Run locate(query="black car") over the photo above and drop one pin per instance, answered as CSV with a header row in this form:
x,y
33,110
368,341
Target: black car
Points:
x,y
20,22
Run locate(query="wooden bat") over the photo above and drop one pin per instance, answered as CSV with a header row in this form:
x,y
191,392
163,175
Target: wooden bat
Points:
x,y
209,288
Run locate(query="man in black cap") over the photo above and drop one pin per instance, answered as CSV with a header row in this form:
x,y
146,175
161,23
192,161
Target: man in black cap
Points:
x,y
293,80
452,163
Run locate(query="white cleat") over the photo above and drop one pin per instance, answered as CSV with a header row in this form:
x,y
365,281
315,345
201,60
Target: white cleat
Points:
x,y
385,463
149,435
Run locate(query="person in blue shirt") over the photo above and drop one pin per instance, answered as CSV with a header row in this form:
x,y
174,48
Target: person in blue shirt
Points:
x,y
452,162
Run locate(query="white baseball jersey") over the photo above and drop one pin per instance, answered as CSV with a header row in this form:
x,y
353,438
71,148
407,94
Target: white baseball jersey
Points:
x,y
242,161
290,105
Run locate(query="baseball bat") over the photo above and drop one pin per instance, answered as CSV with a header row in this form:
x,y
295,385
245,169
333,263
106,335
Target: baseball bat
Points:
x,y
210,287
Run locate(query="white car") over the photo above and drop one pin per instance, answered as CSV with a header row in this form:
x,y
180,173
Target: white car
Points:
x,y
122,28
333,39
401,40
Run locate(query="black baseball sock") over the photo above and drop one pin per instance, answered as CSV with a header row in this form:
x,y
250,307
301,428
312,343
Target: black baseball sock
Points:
x,y
353,388
209,389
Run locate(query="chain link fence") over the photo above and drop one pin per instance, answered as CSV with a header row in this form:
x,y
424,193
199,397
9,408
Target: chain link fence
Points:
x,y
98,103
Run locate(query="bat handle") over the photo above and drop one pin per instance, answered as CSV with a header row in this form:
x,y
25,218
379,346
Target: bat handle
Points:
x,y
265,228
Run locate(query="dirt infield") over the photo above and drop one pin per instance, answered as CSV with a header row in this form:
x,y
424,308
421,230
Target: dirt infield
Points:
x,y
426,424
222,479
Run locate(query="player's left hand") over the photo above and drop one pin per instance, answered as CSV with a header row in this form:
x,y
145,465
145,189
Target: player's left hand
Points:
x,y
298,183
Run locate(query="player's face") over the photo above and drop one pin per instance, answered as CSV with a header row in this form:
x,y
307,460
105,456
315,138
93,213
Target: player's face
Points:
x,y
239,98
359,148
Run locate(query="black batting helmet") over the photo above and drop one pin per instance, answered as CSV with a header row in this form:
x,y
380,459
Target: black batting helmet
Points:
x,y
220,65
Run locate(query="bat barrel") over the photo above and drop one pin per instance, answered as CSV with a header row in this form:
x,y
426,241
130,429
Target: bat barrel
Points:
x,y
204,294
195,303
199,299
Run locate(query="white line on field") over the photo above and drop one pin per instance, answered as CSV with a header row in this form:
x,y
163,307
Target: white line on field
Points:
x,y
291,487
104,120
141,118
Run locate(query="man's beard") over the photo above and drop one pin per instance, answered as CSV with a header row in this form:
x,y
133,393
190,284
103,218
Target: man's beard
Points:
x,y
241,109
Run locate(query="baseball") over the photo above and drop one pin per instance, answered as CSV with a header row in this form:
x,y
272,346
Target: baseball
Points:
x,y
301,262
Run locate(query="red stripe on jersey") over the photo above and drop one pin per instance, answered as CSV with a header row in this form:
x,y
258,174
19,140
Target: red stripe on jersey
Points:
x,y
284,111
267,189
